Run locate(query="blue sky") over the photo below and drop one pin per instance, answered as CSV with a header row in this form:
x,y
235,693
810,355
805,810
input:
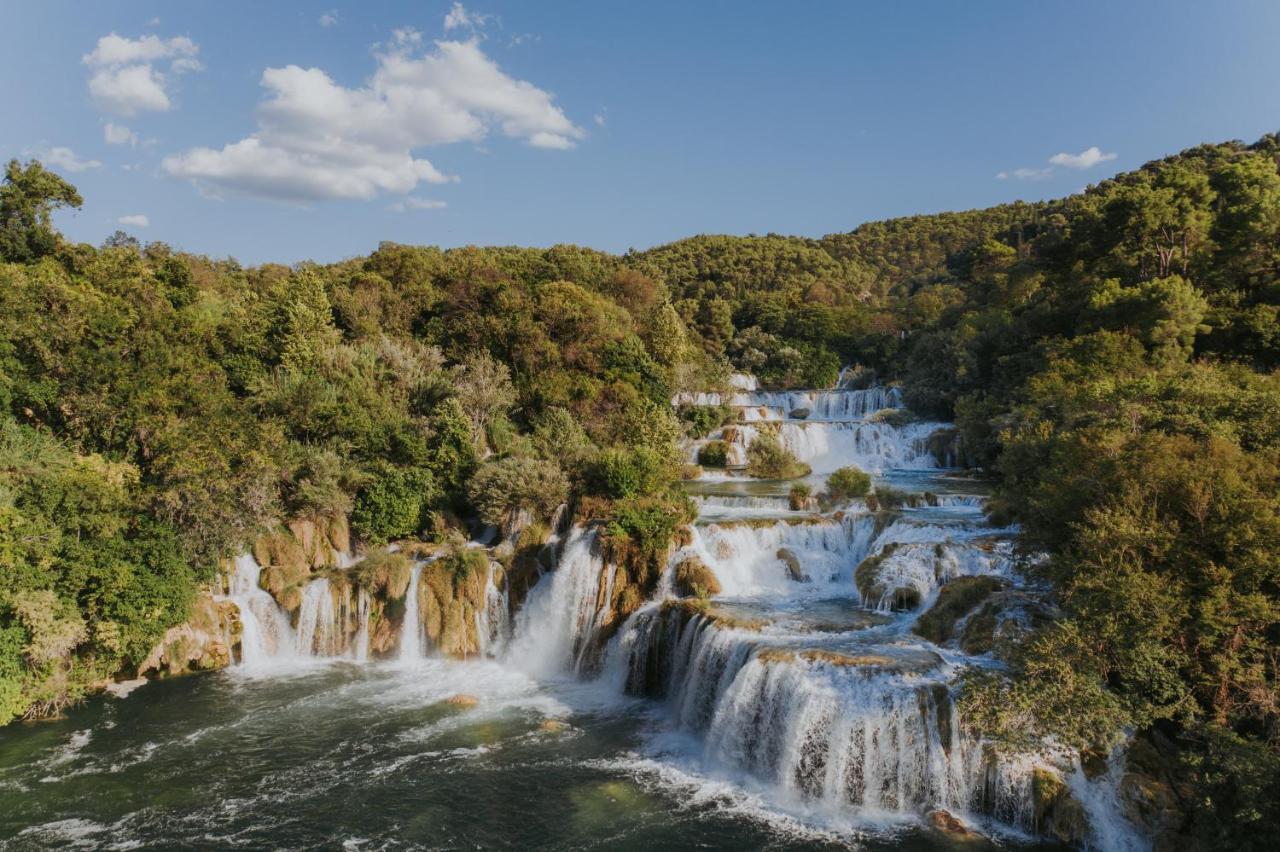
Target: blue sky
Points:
x,y
285,131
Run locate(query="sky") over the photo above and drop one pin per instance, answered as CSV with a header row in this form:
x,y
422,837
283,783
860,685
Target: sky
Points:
x,y
286,131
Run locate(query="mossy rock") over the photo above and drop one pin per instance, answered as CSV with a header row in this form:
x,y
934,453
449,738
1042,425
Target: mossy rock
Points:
x,y
450,593
694,578
955,600
867,574
1058,814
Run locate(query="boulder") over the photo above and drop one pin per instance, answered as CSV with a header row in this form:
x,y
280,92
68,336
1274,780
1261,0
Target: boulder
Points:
x,y
694,579
799,414
462,699
202,643
788,558
951,826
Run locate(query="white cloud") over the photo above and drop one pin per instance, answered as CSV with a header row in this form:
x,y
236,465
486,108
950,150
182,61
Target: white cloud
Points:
x,y
1025,174
118,134
117,50
136,220
458,16
412,203
124,78
1087,158
600,118
319,140
65,159
329,18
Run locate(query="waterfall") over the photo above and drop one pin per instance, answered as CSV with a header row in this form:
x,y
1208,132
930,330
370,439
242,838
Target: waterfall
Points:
x,y
362,630
745,557
555,625
319,631
265,630
411,630
492,619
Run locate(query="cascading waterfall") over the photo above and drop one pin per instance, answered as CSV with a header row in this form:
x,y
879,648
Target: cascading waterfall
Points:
x,y
411,630
492,619
318,633
265,628
800,672
780,678
555,625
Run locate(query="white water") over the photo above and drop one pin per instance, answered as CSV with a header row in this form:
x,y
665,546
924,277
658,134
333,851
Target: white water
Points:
x,y
553,628
876,741
266,633
411,630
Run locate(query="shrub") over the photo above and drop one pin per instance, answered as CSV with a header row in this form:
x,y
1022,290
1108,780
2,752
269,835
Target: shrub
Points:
x,y
713,454
624,473
501,487
799,495
848,483
393,504
768,459
703,419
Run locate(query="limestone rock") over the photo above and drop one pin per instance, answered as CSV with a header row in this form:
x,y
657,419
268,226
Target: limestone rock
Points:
x,y
203,643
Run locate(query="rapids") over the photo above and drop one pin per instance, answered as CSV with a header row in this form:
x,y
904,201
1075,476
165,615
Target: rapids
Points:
x,y
796,709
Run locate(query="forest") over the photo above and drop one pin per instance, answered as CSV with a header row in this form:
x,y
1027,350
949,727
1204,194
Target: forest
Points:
x,y
1111,360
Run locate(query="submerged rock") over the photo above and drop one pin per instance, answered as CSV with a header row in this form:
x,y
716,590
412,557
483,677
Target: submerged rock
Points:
x,y
462,699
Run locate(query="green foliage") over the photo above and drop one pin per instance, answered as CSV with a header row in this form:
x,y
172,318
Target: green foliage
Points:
x,y
848,483
704,419
768,459
499,488
27,198
713,454
394,503
623,473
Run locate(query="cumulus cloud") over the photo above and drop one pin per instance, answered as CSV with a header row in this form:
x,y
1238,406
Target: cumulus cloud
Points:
x,y
124,78
135,220
412,203
329,18
319,140
118,134
458,16
1087,158
65,159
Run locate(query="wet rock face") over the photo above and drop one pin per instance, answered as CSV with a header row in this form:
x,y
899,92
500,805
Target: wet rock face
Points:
x,y
203,643
1058,814
450,594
